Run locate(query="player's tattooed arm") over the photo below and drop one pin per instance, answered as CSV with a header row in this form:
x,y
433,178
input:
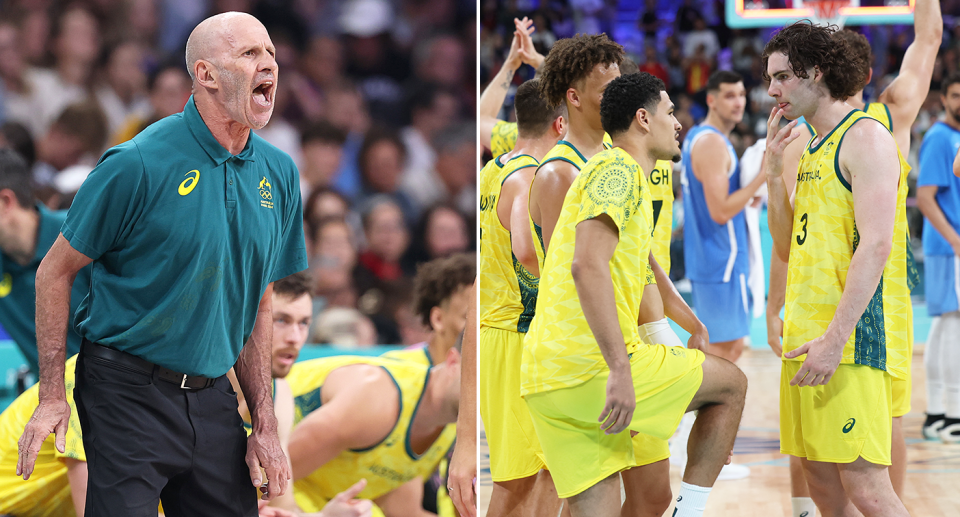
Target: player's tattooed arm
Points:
x,y
491,100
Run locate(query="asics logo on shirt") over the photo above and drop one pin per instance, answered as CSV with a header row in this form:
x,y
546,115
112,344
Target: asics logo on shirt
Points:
x,y
187,185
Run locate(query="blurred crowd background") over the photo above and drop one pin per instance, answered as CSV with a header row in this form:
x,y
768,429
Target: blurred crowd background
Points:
x,y
683,41
376,104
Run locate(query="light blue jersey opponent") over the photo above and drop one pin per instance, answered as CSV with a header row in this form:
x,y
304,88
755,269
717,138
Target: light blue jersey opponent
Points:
x,y
712,253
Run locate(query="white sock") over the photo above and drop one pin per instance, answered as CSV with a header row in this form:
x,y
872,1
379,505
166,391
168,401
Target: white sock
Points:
x,y
803,507
950,352
659,333
691,501
933,364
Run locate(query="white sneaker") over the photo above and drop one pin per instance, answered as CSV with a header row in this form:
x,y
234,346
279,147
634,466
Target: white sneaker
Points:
x,y
931,430
733,471
950,433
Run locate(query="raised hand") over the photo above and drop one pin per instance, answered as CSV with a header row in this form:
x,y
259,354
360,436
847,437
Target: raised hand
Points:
x,y
777,140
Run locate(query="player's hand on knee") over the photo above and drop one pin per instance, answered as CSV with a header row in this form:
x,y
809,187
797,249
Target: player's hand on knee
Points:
x,y
620,404
823,358
263,450
51,416
777,140
344,504
699,340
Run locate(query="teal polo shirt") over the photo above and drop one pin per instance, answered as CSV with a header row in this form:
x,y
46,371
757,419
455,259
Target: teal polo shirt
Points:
x,y
18,291
184,238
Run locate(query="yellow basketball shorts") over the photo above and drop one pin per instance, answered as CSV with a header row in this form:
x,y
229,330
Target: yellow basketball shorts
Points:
x,y
578,452
903,388
515,452
846,419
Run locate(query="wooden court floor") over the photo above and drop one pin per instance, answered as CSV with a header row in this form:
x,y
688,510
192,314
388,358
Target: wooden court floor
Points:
x,y
933,470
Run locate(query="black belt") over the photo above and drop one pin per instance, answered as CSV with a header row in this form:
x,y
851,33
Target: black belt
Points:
x,y
187,382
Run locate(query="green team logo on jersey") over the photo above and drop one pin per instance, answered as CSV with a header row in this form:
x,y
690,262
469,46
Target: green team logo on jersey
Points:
x,y
849,425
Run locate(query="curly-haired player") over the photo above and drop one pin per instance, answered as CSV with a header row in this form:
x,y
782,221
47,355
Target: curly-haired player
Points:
x,y
844,341
575,72
896,107
440,292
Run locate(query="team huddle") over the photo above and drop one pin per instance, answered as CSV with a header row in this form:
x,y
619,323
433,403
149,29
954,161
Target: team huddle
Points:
x,y
574,342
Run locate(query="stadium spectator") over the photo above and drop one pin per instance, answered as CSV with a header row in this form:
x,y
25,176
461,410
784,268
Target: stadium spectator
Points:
x,y
323,203
122,92
343,327
381,160
78,134
432,110
387,239
169,89
652,66
457,167
441,232
321,146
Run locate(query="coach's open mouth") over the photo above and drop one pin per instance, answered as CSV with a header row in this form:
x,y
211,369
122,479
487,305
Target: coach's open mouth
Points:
x,y
263,93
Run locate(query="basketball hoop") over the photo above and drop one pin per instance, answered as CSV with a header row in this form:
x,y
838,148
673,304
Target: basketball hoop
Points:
x,y
827,12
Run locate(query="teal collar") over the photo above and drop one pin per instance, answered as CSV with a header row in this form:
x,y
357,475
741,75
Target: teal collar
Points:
x,y
206,140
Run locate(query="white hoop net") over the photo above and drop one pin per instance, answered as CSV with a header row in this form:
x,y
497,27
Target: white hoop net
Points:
x,y
827,12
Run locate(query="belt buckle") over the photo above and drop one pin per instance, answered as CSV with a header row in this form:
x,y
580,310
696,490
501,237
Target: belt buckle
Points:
x,y
183,383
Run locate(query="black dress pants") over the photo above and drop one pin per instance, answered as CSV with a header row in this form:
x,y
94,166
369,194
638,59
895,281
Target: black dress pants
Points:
x,y
148,440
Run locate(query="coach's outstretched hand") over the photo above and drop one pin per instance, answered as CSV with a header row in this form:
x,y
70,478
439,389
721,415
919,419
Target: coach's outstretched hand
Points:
x,y
263,450
51,416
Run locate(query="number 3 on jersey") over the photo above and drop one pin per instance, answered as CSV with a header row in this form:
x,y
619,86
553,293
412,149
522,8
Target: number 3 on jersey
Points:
x,y
803,238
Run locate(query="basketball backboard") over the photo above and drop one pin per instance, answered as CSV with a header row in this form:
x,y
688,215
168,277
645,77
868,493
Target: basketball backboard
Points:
x,y
776,13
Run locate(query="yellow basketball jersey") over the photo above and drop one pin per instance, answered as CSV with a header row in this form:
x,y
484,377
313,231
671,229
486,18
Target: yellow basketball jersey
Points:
x,y
560,350
660,184
419,355
563,151
507,291
386,465
824,240
47,492
503,138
